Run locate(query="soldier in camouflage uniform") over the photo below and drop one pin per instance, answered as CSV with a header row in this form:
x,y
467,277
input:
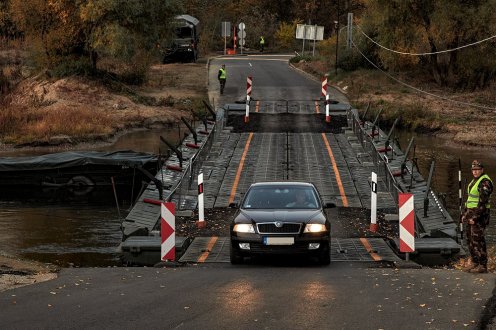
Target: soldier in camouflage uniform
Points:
x,y
476,217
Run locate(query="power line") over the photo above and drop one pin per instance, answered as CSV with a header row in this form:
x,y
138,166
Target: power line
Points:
x,y
419,90
427,53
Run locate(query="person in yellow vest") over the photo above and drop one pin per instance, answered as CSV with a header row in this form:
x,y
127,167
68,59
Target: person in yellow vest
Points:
x,y
476,217
222,76
262,43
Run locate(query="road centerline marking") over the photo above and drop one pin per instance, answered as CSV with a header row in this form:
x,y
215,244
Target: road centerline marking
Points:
x,y
336,171
210,246
368,247
240,169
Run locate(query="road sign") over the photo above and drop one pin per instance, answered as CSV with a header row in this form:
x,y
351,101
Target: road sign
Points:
x,y
324,86
242,34
407,222
241,26
167,232
309,32
249,81
241,42
226,29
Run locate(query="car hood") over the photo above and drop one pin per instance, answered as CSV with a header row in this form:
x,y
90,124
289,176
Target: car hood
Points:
x,y
279,215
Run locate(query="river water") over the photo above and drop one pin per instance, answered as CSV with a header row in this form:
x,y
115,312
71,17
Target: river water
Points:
x,y
69,230
57,226
445,178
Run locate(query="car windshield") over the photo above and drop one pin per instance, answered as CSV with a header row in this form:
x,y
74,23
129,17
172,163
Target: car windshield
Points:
x,y
281,197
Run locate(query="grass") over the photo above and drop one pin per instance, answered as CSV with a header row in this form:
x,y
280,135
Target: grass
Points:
x,y
23,125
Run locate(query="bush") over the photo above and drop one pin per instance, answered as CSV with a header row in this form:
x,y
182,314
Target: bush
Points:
x,y
299,58
285,36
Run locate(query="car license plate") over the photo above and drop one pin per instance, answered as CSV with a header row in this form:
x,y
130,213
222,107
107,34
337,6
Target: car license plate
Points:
x,y
278,240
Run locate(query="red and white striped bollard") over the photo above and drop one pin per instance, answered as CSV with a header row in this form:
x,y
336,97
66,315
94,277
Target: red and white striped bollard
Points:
x,y
249,81
201,223
373,204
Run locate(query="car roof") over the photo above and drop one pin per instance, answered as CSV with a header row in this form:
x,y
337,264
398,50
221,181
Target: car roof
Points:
x,y
282,183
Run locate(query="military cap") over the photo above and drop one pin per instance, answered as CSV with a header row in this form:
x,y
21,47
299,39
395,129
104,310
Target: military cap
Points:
x,y
477,165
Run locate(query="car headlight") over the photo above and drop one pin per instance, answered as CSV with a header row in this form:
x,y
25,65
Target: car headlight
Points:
x,y
244,228
314,228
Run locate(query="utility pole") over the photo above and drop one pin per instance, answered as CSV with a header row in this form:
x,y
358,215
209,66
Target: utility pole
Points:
x,y
336,23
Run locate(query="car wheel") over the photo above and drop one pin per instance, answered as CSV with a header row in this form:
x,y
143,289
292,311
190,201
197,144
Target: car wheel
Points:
x,y
236,258
325,256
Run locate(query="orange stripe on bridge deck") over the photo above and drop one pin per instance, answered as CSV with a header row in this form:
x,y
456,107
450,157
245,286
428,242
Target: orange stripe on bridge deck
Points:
x,y
240,169
210,246
372,253
336,171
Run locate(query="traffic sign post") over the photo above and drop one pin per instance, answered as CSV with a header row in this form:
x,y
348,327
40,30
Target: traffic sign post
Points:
x,y
407,223
167,232
226,32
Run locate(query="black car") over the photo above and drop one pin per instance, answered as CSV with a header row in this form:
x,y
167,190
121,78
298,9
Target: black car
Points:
x,y
281,218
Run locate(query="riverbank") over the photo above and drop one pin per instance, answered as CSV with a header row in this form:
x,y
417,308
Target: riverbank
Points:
x,y
71,112
15,272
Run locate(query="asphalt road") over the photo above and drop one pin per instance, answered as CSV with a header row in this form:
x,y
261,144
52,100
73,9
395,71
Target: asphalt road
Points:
x,y
270,295
273,80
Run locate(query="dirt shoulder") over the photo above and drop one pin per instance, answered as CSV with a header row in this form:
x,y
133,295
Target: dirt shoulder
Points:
x,y
448,116
16,272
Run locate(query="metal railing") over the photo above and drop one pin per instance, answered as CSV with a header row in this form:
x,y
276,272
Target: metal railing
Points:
x,y
382,168
192,167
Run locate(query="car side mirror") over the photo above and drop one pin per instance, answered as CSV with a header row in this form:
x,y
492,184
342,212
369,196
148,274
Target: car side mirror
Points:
x,y
233,205
329,205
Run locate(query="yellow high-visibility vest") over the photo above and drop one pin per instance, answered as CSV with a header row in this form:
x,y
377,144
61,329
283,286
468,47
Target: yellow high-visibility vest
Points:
x,y
222,74
473,194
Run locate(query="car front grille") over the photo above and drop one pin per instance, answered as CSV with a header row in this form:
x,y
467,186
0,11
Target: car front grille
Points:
x,y
285,228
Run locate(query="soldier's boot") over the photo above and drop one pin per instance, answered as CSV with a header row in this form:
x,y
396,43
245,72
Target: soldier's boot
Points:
x,y
479,269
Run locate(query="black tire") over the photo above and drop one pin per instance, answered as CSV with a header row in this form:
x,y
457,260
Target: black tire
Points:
x,y
80,185
325,256
236,258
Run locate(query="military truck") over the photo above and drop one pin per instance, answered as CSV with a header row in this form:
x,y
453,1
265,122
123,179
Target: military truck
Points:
x,y
184,46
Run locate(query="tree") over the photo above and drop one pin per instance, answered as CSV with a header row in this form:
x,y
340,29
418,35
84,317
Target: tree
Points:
x,y
82,31
420,26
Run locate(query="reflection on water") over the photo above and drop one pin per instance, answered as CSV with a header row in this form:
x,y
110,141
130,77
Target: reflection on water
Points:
x,y
445,178
62,228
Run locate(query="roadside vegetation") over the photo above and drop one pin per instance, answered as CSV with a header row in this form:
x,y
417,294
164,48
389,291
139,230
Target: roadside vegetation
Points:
x,y
106,54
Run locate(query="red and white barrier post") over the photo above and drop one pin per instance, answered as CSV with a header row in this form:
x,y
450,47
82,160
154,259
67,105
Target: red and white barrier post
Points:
x,y
407,223
167,232
373,203
249,81
324,86
324,93
201,223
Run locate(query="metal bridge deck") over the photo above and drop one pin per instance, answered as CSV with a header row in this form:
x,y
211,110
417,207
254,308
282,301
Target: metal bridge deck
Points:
x,y
216,250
